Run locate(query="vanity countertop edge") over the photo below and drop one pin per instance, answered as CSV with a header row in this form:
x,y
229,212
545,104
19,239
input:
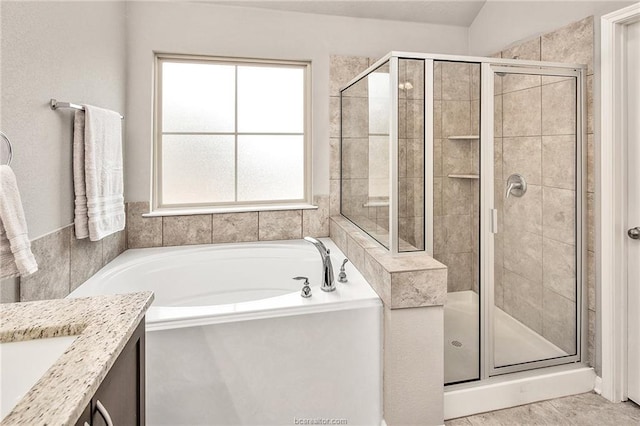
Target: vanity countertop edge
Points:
x,y
103,324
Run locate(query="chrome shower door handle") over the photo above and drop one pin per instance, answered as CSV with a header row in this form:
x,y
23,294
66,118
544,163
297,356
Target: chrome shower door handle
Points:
x,y
634,233
516,186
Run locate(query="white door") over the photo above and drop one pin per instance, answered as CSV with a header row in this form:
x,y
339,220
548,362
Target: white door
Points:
x,y
633,213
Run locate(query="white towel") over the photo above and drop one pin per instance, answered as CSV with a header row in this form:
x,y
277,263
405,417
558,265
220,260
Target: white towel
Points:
x,y
98,173
16,257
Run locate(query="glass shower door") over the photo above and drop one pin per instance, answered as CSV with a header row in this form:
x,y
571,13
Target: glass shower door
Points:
x,y
535,299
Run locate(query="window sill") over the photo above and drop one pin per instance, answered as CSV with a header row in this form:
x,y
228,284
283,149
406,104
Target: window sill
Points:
x,y
231,209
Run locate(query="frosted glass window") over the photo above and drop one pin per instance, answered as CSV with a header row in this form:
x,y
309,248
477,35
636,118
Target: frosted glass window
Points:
x,y
230,132
198,97
270,100
270,168
198,169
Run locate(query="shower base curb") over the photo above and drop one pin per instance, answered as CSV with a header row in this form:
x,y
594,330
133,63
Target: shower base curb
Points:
x,y
511,390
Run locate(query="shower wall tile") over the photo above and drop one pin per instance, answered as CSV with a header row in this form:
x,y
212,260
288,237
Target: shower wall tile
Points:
x,y
459,270
475,82
438,200
415,119
591,338
497,116
519,306
439,235
498,156
559,321
334,117
437,157
590,104
521,113
591,226
456,118
528,50
558,214
559,108
558,161
591,167
520,287
142,231
523,254
234,227
113,245
334,197
415,75
51,281
355,253
591,280
524,214
410,290
457,196
86,258
315,223
355,121
572,43
437,80
184,230
338,235
523,156
279,225
342,69
456,157
458,234
456,81
437,119
334,158
559,266
355,158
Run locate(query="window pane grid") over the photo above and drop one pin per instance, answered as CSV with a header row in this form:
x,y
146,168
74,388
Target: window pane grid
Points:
x,y
268,166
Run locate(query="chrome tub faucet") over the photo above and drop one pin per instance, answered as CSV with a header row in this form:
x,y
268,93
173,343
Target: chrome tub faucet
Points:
x,y
328,282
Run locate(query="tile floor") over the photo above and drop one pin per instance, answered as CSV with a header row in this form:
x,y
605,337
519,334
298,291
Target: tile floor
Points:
x,y
587,409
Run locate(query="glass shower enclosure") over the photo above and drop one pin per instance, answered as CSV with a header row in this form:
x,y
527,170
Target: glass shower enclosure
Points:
x,y
480,163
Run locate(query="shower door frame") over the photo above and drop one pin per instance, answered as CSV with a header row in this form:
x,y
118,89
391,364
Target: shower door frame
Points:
x,y
489,221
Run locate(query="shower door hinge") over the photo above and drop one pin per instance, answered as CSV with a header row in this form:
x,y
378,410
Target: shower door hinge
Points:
x,y
494,221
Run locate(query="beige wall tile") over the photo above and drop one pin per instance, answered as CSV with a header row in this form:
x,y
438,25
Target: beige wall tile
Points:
x,y
334,117
457,196
559,108
572,43
456,157
279,225
334,158
497,116
334,197
559,214
422,288
528,50
338,235
342,69
591,224
591,280
498,155
415,75
184,230
524,214
415,119
456,81
234,227
437,157
524,309
591,167
113,245
86,258
315,223
521,113
437,80
10,290
523,156
438,200
355,118
590,106
439,235
523,255
142,232
459,270
458,234
559,268
51,281
355,253
355,158
591,339
379,279
559,161
559,321
437,119
456,118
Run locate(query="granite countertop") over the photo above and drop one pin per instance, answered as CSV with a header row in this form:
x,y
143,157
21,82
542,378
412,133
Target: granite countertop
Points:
x,y
103,325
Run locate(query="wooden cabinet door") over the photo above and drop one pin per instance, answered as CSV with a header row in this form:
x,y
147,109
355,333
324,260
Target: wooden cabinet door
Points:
x,y
121,394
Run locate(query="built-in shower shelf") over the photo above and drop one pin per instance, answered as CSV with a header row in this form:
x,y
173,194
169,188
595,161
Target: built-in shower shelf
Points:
x,y
464,138
464,176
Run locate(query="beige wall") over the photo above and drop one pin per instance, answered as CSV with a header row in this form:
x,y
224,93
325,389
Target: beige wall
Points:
x,y
75,52
207,29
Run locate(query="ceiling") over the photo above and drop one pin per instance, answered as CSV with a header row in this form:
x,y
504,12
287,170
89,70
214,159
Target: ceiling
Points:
x,y
450,12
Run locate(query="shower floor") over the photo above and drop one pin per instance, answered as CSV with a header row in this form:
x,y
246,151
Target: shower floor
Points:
x,y
515,343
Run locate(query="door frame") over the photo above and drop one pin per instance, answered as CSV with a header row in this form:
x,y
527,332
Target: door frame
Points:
x,y
611,190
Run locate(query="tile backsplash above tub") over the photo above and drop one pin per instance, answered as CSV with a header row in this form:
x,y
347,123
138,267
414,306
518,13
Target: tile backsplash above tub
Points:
x,y
225,227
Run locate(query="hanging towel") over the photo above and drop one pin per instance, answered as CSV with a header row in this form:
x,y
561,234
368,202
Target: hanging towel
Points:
x,y
98,173
16,258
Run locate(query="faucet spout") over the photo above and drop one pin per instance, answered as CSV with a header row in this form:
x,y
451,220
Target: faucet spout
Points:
x,y
328,282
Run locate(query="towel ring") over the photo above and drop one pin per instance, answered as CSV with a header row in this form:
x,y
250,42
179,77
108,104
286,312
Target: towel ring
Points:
x,y
9,147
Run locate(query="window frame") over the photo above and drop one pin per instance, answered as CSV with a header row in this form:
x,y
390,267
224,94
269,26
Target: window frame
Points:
x,y
158,208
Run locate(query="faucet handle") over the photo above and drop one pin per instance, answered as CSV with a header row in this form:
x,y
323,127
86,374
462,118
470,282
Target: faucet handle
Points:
x,y
342,276
306,289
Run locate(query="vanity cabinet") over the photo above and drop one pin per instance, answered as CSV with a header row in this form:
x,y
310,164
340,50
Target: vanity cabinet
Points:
x,y
120,397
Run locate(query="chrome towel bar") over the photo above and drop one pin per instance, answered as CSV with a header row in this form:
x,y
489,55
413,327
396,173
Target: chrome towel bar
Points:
x,y
54,104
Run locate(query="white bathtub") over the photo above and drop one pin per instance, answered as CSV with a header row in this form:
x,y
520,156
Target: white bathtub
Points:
x,y
231,341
